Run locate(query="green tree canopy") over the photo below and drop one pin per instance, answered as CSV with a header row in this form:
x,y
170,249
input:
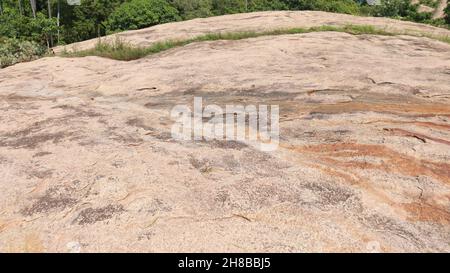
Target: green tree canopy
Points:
x,y
189,9
137,14
340,6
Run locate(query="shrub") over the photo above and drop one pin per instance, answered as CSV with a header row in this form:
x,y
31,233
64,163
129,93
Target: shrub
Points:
x,y
259,5
38,29
13,51
12,24
141,13
189,9
339,6
88,18
395,8
221,7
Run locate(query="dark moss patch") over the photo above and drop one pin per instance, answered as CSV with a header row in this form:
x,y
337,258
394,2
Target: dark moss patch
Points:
x,y
329,195
93,215
125,138
203,165
78,111
40,154
137,122
40,174
31,142
53,199
224,144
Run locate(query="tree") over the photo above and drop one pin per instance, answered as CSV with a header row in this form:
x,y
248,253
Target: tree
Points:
x,y
189,9
221,7
12,23
49,9
58,18
33,7
339,6
43,28
396,8
20,7
90,15
447,14
137,14
260,5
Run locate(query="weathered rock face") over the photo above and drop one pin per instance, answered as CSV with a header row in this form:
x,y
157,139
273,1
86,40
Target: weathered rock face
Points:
x,y
257,21
88,162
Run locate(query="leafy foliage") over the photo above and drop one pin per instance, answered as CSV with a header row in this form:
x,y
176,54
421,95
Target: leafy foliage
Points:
x,y
141,13
395,8
189,9
260,5
87,20
14,51
339,6
15,25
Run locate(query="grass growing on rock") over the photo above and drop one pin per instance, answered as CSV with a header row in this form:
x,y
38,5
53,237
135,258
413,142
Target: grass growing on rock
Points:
x,y
120,50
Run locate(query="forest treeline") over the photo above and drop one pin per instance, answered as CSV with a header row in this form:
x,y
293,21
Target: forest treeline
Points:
x,y
28,26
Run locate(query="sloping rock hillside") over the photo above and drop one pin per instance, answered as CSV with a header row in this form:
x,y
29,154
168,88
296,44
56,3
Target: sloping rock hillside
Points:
x,y
87,161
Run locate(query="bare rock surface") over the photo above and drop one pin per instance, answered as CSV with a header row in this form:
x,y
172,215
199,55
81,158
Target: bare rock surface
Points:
x,y
87,161
257,21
